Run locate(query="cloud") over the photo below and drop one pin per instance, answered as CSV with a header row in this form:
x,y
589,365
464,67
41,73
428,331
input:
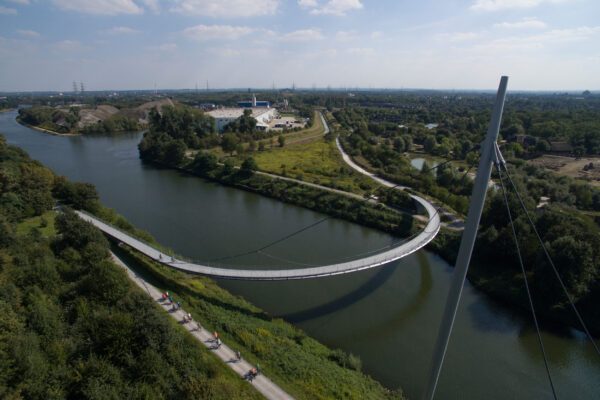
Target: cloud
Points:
x,y
164,47
331,7
376,34
21,2
302,35
458,36
497,5
566,35
28,33
226,8
100,7
7,11
121,30
539,41
216,32
308,3
345,36
151,5
68,45
361,51
525,23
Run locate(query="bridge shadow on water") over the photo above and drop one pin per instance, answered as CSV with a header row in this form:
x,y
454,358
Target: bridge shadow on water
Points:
x,y
372,285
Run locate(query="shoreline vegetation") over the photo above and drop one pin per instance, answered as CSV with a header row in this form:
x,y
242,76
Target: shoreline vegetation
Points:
x,y
44,130
494,272
80,295
73,325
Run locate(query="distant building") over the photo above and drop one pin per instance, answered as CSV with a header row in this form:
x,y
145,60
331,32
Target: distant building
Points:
x,y
224,116
253,103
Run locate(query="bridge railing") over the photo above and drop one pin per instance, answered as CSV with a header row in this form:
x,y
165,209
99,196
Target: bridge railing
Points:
x,y
340,265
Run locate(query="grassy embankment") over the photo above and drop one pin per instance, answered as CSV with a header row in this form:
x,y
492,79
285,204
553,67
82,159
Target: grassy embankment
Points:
x,y
77,328
318,161
307,156
300,364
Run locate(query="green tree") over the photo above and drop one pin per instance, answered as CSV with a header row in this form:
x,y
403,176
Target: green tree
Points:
x,y
229,142
249,165
175,152
205,161
429,144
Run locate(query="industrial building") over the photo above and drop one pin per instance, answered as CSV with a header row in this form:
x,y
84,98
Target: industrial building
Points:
x,y
261,112
253,103
224,116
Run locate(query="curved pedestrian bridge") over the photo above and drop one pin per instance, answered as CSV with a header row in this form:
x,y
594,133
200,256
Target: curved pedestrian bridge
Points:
x,y
394,253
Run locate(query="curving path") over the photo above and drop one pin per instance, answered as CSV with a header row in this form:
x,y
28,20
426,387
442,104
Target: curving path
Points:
x,y
395,253
261,383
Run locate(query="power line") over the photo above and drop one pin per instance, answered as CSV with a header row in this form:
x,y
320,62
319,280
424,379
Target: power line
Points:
x,y
562,284
537,327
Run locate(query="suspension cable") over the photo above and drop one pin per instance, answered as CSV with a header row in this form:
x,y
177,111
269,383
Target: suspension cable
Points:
x,y
272,243
537,327
556,273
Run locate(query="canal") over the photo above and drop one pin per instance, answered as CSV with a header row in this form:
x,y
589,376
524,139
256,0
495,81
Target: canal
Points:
x,y
388,316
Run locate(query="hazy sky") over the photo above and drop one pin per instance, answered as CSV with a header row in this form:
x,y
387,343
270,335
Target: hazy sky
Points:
x,y
133,44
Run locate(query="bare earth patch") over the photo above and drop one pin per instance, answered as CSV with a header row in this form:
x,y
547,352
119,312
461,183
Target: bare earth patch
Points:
x,y
571,167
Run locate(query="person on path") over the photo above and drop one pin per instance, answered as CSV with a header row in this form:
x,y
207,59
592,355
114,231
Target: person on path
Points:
x,y
219,343
160,257
215,336
238,356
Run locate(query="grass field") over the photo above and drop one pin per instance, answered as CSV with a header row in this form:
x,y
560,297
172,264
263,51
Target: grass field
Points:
x,y
302,366
45,224
317,162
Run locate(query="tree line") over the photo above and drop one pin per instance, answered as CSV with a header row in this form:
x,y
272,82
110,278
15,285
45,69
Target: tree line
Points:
x,y
73,325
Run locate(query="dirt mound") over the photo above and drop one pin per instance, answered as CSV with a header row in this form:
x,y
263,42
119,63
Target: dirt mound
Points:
x,y
140,113
91,116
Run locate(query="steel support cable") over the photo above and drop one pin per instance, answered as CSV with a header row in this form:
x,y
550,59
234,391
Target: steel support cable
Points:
x,y
286,237
543,245
529,297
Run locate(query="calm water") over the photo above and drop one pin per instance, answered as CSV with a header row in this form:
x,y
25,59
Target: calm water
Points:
x,y
417,163
388,316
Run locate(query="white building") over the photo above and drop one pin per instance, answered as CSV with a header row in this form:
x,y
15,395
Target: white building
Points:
x,y
224,116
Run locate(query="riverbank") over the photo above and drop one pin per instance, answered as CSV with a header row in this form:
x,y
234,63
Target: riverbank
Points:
x,y
305,368
328,202
301,365
494,282
37,128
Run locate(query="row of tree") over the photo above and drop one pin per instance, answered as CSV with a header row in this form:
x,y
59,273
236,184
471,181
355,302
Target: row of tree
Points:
x,y
73,325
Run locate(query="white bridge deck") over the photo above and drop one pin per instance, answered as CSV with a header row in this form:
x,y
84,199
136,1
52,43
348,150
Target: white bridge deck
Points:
x,y
395,253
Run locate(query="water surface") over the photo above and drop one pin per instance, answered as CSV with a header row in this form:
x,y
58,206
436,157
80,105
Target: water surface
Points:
x,y
388,316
